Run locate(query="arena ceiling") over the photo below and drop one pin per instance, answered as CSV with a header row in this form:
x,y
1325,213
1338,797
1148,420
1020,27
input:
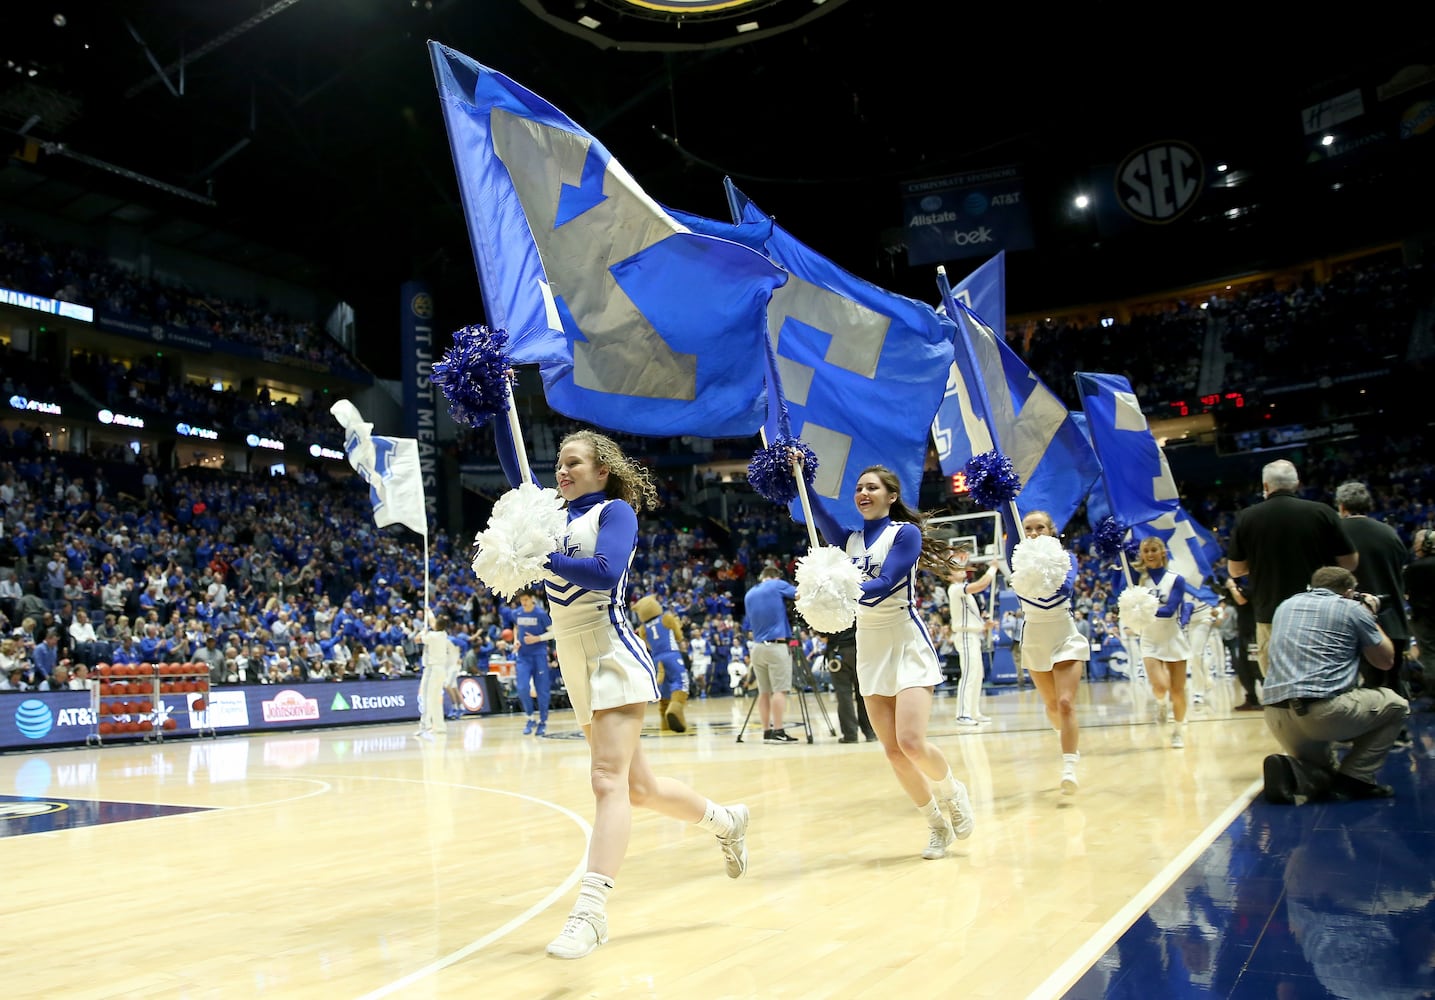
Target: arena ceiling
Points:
x,y
303,137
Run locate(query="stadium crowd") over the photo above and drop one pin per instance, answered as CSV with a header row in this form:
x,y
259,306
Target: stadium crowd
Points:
x,y
109,558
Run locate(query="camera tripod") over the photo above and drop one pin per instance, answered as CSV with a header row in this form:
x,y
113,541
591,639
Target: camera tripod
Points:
x,y
801,678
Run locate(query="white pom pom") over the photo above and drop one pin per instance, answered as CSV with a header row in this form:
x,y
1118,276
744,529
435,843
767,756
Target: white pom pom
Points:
x,y
525,527
1136,608
829,586
1039,566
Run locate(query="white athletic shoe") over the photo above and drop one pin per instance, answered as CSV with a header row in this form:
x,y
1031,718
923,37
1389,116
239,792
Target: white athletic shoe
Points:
x,y
1178,738
734,845
959,808
1068,779
581,934
967,722
983,720
937,842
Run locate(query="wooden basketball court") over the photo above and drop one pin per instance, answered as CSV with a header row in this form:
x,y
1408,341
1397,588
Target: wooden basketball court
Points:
x,y
366,863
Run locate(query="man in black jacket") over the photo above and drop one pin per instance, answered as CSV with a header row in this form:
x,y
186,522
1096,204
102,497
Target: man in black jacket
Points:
x,y
1419,590
1381,572
1280,542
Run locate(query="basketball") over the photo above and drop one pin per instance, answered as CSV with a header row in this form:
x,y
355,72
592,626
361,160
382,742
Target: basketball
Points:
x,y
508,635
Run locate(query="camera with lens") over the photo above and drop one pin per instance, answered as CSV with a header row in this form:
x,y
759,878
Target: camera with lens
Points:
x,y
1371,601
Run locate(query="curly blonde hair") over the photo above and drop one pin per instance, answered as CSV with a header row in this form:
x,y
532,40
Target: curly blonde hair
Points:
x,y
627,480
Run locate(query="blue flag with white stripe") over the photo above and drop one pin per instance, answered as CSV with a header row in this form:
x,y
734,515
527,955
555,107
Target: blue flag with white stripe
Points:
x,y
1098,507
1138,480
984,293
1025,421
389,465
637,323
1194,549
862,368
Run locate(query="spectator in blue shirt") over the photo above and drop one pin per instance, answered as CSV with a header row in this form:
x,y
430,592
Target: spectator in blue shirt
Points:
x,y
46,656
766,620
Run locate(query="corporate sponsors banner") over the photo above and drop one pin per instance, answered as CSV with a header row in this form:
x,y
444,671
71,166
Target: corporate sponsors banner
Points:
x,y
158,333
59,718
971,214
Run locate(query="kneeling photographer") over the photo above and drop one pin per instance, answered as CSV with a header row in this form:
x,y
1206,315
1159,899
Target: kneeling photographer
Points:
x,y
1311,696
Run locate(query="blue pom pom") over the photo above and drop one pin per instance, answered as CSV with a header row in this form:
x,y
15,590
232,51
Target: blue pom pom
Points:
x,y
1132,548
992,479
770,471
474,375
1109,536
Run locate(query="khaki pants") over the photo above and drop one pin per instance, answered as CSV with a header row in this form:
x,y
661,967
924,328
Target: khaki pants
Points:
x,y
1369,718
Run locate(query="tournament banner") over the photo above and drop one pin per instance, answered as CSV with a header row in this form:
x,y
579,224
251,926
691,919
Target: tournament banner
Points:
x,y
201,341
971,214
420,417
159,333
30,721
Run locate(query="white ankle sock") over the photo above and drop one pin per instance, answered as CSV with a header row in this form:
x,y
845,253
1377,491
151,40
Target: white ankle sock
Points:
x,y
716,820
933,813
947,787
593,893
1070,758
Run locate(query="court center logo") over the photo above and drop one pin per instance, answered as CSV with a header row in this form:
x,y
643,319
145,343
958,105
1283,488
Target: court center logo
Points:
x,y
1160,182
34,719
470,694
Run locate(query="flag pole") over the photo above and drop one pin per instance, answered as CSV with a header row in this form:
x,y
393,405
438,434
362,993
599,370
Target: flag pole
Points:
x,y
525,474
801,492
806,504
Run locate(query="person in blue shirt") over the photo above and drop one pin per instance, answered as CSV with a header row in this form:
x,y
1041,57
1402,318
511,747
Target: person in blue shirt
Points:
x,y
765,618
532,629
46,656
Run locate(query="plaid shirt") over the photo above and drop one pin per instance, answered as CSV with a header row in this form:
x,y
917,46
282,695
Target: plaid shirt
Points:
x,y
1316,639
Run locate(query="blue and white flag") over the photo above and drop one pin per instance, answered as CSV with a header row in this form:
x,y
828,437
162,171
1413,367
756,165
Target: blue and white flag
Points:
x,y
389,465
1024,420
1194,549
638,324
1138,480
862,368
984,292
1098,506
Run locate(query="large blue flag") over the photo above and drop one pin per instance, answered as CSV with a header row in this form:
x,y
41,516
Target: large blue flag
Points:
x,y
637,323
862,368
984,293
1194,549
1023,419
1098,505
1138,480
